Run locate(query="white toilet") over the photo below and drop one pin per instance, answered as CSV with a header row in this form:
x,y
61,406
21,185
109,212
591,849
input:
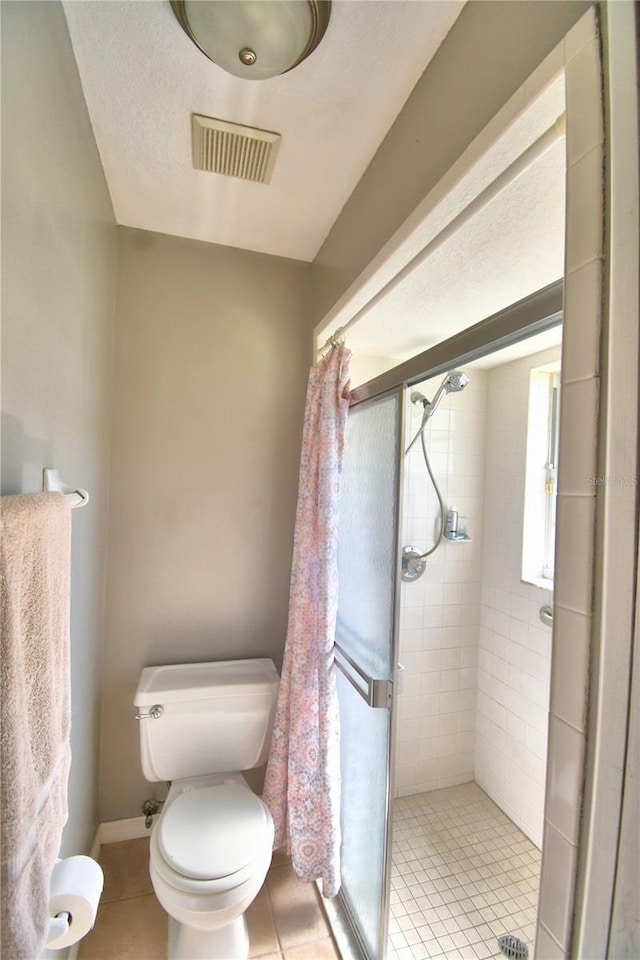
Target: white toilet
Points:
x,y
200,725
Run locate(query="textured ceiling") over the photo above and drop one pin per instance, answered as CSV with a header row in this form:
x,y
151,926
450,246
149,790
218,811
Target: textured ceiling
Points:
x,y
512,247
142,79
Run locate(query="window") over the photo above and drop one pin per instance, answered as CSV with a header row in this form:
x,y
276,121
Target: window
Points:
x,y
541,476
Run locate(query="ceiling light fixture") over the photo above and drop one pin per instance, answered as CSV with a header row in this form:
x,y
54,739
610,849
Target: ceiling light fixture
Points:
x,y
254,39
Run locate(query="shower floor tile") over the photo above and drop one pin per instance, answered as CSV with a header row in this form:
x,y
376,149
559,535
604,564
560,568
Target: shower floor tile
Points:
x,y
463,874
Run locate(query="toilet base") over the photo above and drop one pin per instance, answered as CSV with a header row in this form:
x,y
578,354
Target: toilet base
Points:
x,y
226,943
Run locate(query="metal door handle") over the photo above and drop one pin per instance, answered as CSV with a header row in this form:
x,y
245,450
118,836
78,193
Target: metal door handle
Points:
x,y
375,692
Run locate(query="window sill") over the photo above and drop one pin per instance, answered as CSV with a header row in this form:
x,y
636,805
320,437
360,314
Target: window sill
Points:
x,y
542,582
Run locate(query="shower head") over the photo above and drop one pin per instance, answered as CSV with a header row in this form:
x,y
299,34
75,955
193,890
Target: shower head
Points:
x,y
454,382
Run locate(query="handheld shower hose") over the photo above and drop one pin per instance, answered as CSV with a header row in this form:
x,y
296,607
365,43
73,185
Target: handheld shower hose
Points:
x,y
454,382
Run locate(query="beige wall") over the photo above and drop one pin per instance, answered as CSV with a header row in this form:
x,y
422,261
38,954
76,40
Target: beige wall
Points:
x,y
490,51
211,369
59,248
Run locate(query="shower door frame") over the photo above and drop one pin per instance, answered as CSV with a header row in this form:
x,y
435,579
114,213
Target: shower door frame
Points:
x,y
537,313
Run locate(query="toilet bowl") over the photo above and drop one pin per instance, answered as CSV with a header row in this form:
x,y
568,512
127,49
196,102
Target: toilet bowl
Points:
x,y
211,845
209,855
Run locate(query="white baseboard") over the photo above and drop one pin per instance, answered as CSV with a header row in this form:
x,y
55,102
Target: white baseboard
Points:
x,y
112,831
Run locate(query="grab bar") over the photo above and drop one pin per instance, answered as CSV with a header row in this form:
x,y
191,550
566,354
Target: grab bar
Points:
x,y
374,691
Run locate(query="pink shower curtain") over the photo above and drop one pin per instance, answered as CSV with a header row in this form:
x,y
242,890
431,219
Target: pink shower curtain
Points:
x,y
302,783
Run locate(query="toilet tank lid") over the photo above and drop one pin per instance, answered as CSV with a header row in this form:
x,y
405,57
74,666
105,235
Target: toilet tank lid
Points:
x,y
199,681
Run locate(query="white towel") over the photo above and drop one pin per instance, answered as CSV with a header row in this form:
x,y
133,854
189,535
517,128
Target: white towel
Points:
x,y
35,710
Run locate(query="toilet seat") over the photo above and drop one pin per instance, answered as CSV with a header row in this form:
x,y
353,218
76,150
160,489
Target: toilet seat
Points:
x,y
213,832
197,815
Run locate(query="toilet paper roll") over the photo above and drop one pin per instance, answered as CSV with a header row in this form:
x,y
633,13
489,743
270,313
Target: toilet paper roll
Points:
x,y
75,888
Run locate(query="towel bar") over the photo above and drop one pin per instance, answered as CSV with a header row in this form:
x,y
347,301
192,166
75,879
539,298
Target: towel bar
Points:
x,y
375,692
51,483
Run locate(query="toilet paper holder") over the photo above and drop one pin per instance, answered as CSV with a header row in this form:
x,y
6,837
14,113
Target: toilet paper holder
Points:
x,y
75,888
58,927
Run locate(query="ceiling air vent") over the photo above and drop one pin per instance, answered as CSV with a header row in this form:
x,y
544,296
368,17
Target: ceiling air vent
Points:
x,y
233,149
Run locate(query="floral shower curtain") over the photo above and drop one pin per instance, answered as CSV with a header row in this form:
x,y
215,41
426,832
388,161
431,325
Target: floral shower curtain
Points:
x,y
302,783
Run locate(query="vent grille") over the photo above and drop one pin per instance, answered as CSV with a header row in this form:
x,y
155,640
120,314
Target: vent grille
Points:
x,y
233,150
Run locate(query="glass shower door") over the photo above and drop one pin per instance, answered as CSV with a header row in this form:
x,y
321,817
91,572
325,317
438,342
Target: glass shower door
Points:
x,y
366,659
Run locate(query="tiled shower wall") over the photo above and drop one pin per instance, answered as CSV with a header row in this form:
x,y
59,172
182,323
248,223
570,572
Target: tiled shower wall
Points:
x,y
440,612
475,689
514,657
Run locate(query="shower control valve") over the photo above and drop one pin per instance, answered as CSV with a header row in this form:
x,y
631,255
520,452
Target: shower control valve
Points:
x,y
413,563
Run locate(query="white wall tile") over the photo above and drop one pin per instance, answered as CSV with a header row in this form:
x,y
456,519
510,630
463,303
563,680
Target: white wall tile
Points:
x,y
407,730
581,328
429,748
574,542
584,218
407,776
546,947
579,437
584,102
564,778
570,674
582,33
429,707
557,884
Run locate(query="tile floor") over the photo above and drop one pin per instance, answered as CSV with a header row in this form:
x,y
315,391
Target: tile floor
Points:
x,y
286,921
463,874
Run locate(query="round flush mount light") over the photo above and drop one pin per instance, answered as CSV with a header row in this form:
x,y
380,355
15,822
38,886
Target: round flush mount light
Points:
x,y
254,39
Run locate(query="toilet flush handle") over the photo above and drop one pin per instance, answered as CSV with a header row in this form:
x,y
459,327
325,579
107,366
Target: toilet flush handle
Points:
x,y
155,713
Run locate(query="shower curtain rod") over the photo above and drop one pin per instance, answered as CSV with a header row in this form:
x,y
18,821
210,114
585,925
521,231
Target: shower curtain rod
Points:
x,y
533,152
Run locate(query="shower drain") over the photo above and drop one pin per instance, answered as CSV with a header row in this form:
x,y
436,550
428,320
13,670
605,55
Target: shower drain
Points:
x,y
513,947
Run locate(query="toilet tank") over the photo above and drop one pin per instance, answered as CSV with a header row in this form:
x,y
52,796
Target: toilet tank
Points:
x,y
216,717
